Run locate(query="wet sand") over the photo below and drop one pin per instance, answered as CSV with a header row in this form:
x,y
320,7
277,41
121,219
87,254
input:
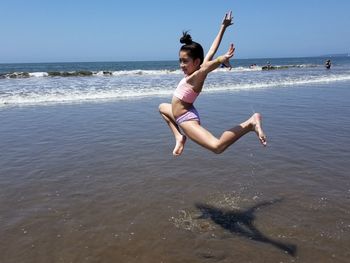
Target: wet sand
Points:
x,y
96,182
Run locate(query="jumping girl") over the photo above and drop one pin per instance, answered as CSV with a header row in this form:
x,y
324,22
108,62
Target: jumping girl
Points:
x,y
182,114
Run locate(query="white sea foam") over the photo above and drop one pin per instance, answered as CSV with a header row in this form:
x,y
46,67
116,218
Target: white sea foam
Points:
x,y
44,99
38,74
144,72
277,83
151,83
240,69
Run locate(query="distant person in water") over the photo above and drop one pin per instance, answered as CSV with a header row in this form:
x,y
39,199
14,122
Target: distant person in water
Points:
x,y
328,64
182,117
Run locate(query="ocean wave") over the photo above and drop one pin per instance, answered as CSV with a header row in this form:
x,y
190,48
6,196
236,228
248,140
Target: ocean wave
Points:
x,y
85,73
80,93
76,97
135,72
278,83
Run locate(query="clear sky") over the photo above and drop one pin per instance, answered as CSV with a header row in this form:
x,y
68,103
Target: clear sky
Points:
x,y
106,30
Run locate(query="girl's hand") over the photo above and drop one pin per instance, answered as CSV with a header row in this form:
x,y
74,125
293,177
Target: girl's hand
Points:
x,y
229,54
227,21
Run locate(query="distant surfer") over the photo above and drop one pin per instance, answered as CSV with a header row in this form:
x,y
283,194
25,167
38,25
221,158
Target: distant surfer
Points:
x,y
182,114
328,64
268,66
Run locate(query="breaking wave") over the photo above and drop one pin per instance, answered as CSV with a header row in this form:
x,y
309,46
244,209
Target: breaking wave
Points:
x,y
109,73
91,91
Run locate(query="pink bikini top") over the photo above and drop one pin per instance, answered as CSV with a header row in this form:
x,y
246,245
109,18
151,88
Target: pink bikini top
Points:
x,y
185,92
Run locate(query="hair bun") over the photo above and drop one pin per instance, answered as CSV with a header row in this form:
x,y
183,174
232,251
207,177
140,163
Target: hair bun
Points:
x,y
186,38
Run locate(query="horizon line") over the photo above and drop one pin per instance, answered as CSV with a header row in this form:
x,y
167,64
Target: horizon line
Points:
x,y
172,60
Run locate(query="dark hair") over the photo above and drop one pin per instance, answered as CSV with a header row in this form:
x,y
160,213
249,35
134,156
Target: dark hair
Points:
x,y
193,49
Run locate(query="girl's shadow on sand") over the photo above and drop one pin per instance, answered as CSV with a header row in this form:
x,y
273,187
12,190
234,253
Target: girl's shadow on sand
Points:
x,y
240,222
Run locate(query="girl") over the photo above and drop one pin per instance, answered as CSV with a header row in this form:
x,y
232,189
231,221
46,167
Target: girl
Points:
x,y
182,113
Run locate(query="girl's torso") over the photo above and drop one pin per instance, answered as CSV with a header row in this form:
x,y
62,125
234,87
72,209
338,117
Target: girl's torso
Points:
x,y
185,95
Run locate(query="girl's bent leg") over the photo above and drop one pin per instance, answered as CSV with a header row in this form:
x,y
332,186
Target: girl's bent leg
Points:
x,y
166,112
204,138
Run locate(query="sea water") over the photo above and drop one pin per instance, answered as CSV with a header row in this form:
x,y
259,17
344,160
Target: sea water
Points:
x,y
53,83
87,172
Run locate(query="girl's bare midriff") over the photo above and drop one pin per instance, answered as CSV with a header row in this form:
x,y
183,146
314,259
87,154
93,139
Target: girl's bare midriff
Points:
x,y
179,107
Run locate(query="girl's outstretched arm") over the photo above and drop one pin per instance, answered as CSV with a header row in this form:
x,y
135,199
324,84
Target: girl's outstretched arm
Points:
x,y
209,66
226,22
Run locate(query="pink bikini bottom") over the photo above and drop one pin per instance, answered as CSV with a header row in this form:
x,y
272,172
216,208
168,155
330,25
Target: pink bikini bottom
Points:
x,y
190,115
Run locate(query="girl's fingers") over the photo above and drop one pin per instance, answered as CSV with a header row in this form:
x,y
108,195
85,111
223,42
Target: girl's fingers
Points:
x,y
223,20
231,48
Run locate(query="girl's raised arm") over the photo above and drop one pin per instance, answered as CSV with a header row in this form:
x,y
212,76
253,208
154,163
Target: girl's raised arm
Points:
x,y
227,21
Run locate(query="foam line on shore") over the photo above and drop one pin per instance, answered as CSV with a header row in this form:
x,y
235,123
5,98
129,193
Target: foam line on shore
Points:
x,y
73,94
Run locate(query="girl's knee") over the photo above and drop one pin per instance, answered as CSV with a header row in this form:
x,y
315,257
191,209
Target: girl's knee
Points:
x,y
161,107
214,147
217,149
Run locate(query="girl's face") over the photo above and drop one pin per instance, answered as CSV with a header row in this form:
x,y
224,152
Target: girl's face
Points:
x,y
187,64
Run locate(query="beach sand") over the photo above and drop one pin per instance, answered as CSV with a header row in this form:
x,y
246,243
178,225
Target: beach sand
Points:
x,y
96,182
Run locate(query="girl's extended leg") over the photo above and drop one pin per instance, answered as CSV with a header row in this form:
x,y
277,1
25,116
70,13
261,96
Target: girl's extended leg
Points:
x,y
204,138
166,112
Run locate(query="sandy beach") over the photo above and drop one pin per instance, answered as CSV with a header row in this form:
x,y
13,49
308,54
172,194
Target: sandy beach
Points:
x,y
96,182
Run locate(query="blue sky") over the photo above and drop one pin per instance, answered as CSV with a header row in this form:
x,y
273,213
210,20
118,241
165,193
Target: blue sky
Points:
x,y
76,30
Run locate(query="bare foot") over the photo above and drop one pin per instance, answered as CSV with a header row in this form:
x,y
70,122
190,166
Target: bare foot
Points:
x,y
179,146
257,127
